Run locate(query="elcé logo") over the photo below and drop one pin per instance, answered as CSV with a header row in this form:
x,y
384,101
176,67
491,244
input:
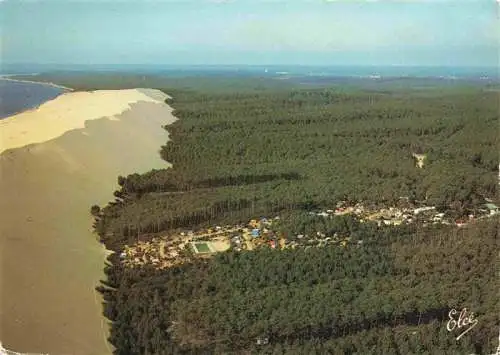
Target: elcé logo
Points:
x,y
468,320
464,320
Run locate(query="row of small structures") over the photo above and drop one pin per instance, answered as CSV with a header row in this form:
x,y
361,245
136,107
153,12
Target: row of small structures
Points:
x,y
406,215
166,251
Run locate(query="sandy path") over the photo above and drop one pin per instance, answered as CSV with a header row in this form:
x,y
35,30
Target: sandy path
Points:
x,y
50,261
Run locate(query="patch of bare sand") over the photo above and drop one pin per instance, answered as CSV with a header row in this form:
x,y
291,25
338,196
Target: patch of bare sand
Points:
x,y
50,260
220,245
420,158
69,111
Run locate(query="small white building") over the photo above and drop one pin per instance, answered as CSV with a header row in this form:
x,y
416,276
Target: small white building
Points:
x,y
492,208
423,209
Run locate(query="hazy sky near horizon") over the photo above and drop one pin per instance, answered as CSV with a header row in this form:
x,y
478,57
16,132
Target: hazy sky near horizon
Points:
x,y
309,32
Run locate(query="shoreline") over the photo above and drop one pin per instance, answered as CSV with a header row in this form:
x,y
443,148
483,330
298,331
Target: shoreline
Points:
x,y
7,78
55,117
47,189
34,108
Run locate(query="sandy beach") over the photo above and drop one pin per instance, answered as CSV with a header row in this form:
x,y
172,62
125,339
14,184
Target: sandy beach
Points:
x,y
55,162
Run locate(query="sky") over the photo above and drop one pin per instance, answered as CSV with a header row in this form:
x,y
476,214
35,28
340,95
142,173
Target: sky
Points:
x,y
253,32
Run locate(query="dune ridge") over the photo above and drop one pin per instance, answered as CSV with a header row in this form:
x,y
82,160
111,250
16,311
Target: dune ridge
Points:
x,y
50,260
69,111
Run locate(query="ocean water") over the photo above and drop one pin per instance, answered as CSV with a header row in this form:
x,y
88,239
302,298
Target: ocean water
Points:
x,y
18,96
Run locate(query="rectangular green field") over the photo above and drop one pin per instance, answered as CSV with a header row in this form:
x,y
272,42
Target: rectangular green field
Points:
x,y
202,248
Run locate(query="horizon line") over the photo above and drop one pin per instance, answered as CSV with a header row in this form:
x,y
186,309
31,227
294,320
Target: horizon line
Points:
x,y
248,65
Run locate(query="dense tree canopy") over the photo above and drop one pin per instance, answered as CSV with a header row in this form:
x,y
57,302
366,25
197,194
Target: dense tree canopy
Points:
x,y
248,148
394,292
238,154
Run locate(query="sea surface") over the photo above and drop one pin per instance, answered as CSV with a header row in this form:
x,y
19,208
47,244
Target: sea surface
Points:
x,y
16,96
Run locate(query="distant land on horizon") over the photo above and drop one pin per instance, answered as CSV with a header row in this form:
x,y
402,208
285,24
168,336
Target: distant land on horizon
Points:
x,y
449,72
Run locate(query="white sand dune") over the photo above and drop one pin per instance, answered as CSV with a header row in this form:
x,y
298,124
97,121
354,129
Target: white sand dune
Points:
x,y
69,111
67,160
